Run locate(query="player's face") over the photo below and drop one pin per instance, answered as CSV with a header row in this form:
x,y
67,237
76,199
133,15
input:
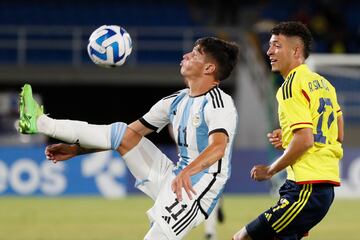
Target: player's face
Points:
x,y
193,63
279,53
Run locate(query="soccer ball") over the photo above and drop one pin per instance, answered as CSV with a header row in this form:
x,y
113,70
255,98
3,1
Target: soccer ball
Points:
x,y
109,46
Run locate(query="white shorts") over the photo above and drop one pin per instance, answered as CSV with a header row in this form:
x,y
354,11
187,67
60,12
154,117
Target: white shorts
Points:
x,y
178,218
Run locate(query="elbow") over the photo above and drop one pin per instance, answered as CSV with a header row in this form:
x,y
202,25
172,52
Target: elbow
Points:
x,y
340,137
304,138
308,145
220,152
308,142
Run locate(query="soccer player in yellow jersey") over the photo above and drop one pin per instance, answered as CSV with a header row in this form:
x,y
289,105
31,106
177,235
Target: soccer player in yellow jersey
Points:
x,y
311,134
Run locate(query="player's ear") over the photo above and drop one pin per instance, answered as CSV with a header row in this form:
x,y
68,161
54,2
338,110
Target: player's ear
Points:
x,y
296,47
297,51
210,68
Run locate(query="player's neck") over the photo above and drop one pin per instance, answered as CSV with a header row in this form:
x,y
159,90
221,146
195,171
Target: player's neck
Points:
x,y
200,87
284,73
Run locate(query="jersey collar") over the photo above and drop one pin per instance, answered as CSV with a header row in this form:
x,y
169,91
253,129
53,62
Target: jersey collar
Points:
x,y
301,67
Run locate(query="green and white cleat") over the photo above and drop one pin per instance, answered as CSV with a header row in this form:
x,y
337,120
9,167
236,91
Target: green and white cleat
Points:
x,y
29,111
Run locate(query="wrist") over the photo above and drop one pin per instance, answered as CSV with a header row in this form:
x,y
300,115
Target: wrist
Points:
x,y
76,149
272,170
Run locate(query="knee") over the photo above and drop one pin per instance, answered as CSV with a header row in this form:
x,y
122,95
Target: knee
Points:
x,y
235,237
241,235
130,139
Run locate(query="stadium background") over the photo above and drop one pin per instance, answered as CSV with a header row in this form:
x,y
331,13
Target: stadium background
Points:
x,y
44,43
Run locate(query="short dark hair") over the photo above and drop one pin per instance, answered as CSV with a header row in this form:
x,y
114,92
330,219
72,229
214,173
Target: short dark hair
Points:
x,y
226,54
295,29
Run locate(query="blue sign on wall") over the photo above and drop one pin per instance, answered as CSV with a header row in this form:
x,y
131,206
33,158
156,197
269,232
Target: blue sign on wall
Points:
x,y
26,171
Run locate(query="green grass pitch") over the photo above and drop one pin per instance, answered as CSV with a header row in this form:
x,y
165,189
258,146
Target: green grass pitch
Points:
x,y
93,218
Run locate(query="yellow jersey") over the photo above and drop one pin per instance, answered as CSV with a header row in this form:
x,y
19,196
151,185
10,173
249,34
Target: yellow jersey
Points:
x,y
308,100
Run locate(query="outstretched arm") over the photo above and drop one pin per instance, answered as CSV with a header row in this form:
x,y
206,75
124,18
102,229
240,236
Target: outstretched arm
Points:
x,y
303,140
214,152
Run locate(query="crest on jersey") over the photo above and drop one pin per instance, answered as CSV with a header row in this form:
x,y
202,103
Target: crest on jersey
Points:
x,y
196,120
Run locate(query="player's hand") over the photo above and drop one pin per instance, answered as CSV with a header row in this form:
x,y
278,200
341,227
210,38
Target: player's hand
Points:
x,y
181,181
275,138
61,152
260,173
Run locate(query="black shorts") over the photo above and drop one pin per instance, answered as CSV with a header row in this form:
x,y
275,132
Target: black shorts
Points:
x,y
299,208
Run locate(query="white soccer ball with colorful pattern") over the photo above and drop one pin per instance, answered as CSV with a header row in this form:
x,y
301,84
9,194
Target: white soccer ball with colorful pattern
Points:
x,y
109,46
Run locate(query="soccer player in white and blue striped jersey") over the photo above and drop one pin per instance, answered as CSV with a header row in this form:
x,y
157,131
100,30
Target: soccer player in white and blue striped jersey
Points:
x,y
203,119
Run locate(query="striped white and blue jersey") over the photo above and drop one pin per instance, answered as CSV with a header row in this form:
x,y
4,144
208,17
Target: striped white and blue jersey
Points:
x,y
193,119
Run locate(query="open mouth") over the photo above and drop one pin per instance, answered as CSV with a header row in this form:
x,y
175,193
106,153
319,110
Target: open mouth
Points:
x,y
272,61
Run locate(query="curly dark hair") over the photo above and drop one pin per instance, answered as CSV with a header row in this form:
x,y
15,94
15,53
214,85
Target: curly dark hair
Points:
x,y
226,54
295,29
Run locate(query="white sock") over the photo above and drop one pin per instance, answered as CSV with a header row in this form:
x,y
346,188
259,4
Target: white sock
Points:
x,y
87,135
